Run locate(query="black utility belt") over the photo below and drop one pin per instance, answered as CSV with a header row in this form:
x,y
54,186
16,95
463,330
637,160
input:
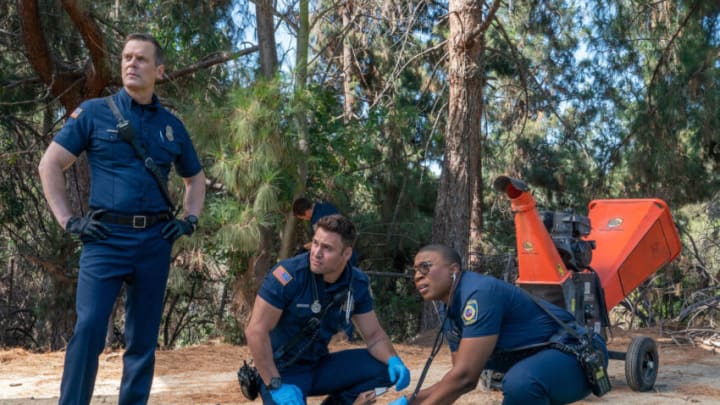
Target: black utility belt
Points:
x,y
136,221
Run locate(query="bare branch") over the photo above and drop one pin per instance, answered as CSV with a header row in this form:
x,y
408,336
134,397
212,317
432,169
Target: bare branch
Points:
x,y
210,60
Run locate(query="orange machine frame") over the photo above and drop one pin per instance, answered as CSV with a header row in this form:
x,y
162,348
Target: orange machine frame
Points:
x,y
633,239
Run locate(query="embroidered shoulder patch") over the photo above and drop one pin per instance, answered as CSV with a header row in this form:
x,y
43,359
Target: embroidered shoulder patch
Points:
x,y
470,313
282,275
76,113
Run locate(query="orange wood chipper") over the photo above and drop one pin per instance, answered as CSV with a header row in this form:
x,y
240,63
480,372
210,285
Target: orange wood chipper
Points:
x,y
588,264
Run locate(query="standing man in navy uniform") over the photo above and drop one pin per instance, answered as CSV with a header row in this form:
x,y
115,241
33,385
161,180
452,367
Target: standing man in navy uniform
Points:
x,y
491,323
129,232
302,303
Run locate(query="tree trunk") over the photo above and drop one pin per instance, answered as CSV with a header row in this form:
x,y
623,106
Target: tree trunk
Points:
x,y
262,262
458,209
264,12
451,225
475,249
303,41
348,91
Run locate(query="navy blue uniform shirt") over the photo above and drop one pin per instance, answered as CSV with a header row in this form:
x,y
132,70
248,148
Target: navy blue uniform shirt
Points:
x,y
484,306
321,209
289,287
120,182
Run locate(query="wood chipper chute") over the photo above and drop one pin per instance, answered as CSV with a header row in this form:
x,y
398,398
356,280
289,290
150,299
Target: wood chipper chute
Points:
x,y
588,264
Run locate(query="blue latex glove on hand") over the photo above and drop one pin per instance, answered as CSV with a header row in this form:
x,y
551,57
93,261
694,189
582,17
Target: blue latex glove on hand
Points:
x,y
287,394
400,401
399,374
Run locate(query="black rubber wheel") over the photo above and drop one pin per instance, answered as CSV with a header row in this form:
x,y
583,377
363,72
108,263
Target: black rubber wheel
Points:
x,y
641,364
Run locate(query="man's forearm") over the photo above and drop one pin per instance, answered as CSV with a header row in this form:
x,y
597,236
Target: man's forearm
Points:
x,y
194,194
381,347
53,184
261,350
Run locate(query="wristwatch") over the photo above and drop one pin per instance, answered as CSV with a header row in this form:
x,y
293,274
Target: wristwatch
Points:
x,y
192,220
275,383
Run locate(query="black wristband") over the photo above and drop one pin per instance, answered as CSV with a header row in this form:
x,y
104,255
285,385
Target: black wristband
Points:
x,y
275,383
192,220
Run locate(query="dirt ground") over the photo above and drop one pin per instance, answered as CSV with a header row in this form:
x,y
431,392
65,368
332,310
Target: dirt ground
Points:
x,y
206,374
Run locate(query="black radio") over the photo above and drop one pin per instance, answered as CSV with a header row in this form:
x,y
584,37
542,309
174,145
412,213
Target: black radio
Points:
x,y
249,380
593,365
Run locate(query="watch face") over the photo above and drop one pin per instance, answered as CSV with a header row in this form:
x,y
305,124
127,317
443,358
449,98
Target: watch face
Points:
x,y
192,220
275,383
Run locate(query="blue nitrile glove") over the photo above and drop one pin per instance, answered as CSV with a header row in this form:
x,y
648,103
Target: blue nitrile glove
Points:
x,y
400,401
287,394
399,374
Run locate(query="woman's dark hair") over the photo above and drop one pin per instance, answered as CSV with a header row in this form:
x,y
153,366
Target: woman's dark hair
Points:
x,y
448,253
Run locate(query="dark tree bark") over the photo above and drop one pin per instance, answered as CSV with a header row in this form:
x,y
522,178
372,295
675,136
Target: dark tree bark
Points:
x,y
347,58
459,182
262,261
458,210
289,236
264,12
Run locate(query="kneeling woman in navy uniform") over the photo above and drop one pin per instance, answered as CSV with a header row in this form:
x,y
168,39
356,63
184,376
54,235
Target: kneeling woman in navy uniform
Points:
x,y
493,324
302,303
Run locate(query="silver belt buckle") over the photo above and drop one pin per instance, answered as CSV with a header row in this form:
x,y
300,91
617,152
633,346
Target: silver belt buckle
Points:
x,y
139,221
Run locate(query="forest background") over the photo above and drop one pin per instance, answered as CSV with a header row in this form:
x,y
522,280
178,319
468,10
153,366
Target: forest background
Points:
x,y
400,112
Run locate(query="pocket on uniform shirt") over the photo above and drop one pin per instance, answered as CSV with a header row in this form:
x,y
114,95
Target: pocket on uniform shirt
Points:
x,y
108,134
108,146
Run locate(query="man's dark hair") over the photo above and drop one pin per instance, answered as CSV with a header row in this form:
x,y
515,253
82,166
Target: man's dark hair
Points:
x,y
300,205
141,36
448,253
340,225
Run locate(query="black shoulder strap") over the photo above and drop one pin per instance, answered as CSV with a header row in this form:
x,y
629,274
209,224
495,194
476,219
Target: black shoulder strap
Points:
x,y
126,133
310,329
116,112
568,329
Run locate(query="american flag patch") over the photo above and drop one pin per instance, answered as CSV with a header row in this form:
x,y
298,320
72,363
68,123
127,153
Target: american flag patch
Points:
x,y
76,113
282,275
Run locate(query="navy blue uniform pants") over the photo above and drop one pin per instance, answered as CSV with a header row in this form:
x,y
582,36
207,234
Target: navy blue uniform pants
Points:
x,y
140,258
547,377
343,375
